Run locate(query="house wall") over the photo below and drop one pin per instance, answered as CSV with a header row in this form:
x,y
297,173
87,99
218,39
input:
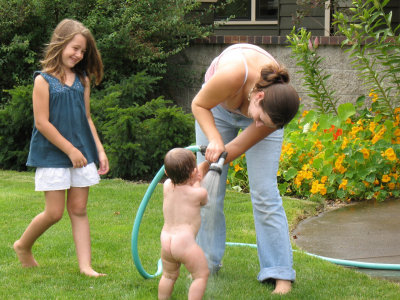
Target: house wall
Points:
x,y
189,67
314,22
286,10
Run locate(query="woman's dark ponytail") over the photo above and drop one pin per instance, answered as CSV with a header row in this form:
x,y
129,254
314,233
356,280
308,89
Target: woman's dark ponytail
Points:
x,y
281,101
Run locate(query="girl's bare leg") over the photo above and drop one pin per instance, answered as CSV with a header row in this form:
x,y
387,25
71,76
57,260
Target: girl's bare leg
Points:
x,y
76,205
53,212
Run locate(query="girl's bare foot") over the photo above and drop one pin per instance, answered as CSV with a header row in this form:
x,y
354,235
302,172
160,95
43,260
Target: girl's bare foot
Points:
x,y
25,256
282,287
92,273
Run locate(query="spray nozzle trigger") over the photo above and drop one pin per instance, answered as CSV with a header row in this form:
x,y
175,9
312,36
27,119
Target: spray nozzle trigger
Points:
x,y
217,166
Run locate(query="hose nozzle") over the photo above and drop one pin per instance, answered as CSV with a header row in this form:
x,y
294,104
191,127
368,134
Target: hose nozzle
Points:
x,y
203,149
217,166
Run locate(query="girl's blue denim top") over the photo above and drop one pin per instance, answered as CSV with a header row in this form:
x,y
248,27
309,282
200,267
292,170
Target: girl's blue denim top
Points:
x,y
68,114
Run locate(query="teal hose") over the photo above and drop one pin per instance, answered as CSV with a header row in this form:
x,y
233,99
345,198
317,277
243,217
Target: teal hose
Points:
x,y
342,262
146,198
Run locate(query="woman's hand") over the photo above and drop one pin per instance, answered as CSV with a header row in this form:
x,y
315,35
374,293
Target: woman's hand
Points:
x,y
214,150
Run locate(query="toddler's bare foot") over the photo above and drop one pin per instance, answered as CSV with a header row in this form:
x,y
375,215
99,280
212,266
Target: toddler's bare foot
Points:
x,y
282,287
92,273
25,256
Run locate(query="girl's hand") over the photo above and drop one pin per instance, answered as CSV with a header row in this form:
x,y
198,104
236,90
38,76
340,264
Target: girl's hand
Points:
x,y
214,150
77,158
103,164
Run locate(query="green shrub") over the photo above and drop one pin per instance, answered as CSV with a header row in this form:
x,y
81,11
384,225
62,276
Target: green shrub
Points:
x,y
16,120
136,138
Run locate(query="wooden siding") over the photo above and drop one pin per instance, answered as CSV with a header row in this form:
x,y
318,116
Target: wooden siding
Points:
x,y
286,11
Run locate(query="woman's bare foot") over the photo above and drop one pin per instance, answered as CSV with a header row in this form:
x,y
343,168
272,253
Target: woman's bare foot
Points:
x,y
25,256
92,273
282,287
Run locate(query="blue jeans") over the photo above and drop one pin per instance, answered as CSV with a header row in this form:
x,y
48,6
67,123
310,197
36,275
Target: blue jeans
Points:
x,y
273,242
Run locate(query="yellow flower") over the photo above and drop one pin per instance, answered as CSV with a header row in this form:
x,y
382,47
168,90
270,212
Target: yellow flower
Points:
x,y
319,145
314,187
322,190
314,127
365,153
231,164
390,154
318,188
348,121
343,184
345,142
238,168
379,135
227,181
324,179
297,181
397,132
356,129
394,175
392,185
372,126
305,113
307,174
385,178
243,155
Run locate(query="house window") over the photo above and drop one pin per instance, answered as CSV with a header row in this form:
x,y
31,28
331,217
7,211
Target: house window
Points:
x,y
249,12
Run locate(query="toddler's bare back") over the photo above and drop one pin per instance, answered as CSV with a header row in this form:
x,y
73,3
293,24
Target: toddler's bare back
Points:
x,y
181,207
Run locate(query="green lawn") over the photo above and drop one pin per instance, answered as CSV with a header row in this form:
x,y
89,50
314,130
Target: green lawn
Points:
x,y
112,209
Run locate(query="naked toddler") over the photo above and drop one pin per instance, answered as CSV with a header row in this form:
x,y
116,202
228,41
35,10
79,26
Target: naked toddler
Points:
x,y
183,197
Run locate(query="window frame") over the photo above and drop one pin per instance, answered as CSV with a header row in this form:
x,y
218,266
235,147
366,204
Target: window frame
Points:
x,y
252,20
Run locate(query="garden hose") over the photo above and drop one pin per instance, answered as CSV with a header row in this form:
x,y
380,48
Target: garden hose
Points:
x,y
146,198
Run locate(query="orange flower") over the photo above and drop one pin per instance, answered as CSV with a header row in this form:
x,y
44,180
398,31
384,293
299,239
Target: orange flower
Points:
x,y
390,154
314,127
385,178
238,168
365,153
338,133
343,184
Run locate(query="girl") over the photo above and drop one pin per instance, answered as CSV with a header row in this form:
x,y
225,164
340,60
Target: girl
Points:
x,y
65,146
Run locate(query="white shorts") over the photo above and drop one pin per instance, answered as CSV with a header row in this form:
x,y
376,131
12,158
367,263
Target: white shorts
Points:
x,y
54,179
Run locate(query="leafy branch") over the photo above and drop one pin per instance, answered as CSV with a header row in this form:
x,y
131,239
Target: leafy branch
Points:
x,y
374,49
304,51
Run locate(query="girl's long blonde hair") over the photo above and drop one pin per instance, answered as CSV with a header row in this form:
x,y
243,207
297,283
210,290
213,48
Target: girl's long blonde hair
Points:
x,y
91,65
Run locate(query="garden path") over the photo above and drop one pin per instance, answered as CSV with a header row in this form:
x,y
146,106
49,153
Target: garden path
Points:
x,y
366,232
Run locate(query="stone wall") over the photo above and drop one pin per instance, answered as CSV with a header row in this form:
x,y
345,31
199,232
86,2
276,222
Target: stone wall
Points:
x,y
188,69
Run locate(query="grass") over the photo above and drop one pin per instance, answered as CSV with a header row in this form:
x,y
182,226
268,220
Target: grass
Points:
x,y
112,208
